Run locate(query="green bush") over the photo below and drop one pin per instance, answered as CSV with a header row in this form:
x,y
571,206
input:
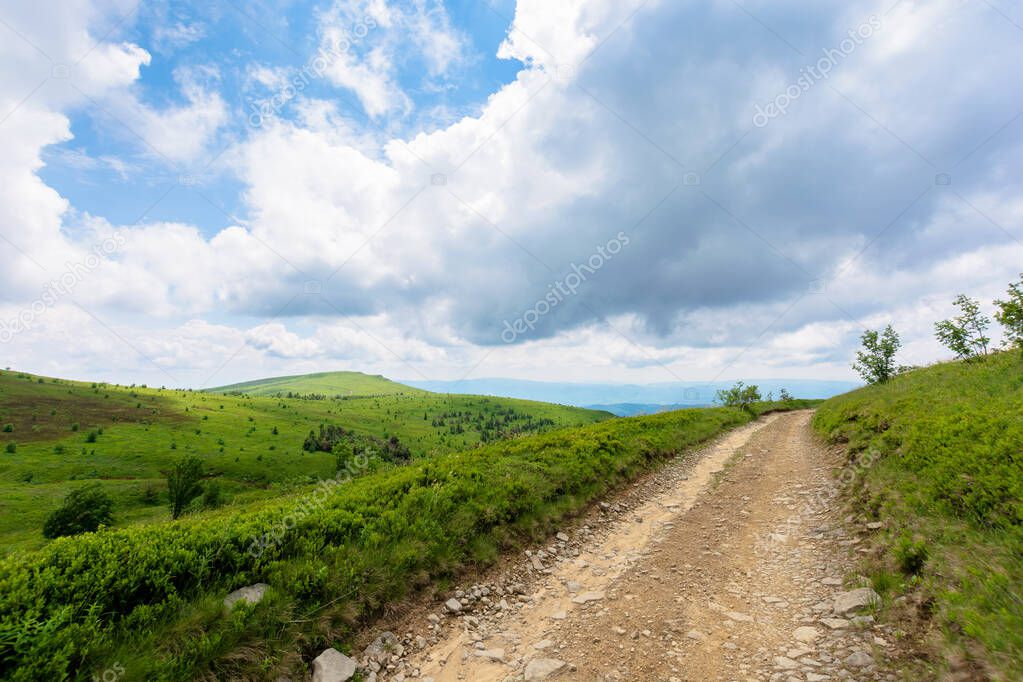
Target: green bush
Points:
x,y
212,496
740,396
183,484
11,448
84,510
911,555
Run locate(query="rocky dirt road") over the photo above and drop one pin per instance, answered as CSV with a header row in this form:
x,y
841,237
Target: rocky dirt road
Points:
x,y
730,564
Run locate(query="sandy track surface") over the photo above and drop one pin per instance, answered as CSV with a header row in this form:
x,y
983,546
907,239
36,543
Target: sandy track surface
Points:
x,y
726,565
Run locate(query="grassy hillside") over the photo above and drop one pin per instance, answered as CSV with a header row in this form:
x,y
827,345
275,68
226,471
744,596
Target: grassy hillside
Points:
x,y
56,435
330,384
941,465
149,596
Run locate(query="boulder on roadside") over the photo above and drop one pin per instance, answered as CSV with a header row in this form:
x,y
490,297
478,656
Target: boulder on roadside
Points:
x,y
854,600
333,666
251,594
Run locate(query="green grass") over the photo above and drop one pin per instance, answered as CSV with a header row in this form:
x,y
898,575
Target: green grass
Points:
x,y
148,596
332,384
67,434
946,446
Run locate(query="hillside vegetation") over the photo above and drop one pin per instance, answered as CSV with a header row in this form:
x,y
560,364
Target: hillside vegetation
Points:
x,y
939,455
57,435
330,384
149,597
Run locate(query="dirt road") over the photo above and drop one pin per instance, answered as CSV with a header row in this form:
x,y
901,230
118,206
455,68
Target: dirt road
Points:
x,y
727,565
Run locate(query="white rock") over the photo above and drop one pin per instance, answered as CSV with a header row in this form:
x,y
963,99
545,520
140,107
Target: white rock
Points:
x,y
542,668
859,659
835,623
453,605
806,634
251,594
587,597
739,617
491,654
333,666
853,600
785,663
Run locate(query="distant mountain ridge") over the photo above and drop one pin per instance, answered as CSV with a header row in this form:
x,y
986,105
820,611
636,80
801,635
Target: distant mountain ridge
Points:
x,y
604,396
323,383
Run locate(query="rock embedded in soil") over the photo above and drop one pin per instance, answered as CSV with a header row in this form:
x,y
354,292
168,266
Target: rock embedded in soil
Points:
x,y
333,666
854,600
251,594
542,669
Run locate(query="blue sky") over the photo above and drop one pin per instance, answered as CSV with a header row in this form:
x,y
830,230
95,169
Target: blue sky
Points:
x,y
230,38
643,191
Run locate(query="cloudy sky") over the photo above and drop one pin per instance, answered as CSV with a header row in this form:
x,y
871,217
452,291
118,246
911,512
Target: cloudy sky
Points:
x,y
577,190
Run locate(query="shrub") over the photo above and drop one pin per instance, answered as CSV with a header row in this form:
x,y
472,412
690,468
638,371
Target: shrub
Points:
x,y
83,510
11,448
740,396
212,496
150,495
911,555
183,484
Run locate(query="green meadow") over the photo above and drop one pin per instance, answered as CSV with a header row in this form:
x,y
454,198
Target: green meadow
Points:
x,y
57,434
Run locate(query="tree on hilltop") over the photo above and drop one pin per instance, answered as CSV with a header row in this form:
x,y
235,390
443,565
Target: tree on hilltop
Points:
x,y
964,334
1010,314
876,362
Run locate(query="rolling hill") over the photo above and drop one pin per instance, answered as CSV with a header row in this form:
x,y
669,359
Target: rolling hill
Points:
x,y
57,435
331,384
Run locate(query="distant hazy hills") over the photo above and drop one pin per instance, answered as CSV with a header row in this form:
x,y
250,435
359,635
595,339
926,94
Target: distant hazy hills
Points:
x,y
620,399
629,399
